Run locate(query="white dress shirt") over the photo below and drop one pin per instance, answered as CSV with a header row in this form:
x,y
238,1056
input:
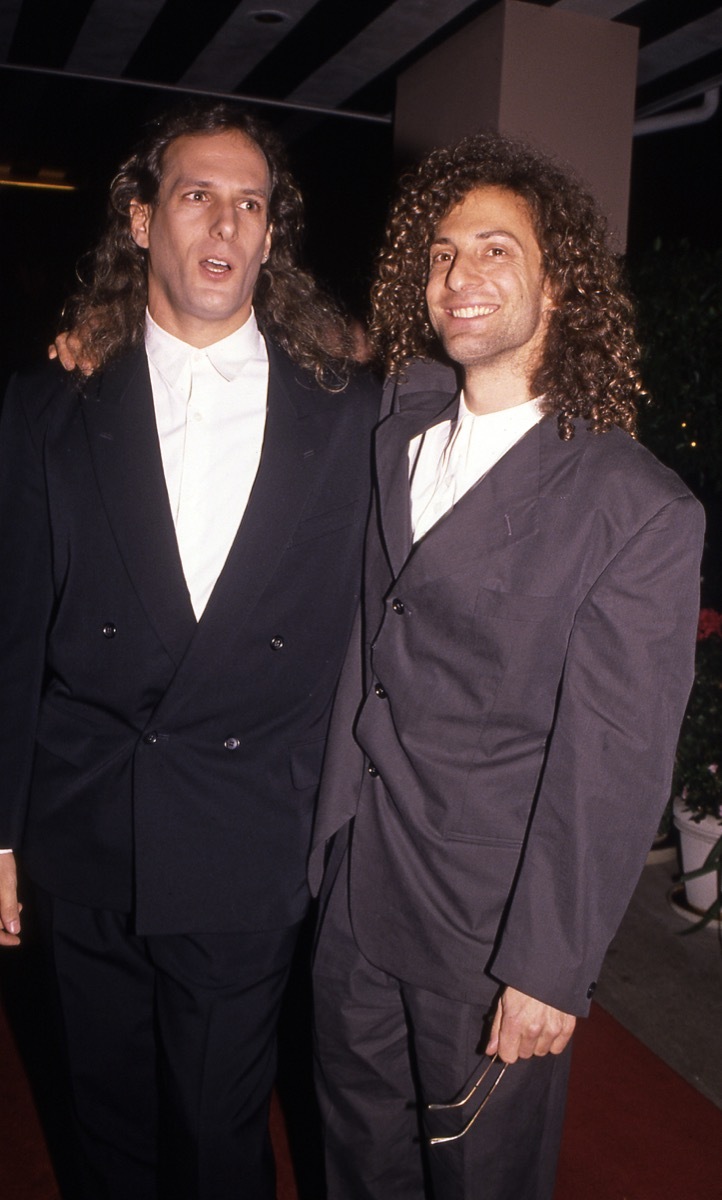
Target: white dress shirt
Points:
x,y
447,460
210,409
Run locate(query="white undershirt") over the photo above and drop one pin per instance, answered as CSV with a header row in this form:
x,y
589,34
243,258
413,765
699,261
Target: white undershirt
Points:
x,y
447,460
210,409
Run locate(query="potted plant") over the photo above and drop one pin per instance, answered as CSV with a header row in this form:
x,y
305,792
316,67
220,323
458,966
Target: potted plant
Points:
x,y
697,781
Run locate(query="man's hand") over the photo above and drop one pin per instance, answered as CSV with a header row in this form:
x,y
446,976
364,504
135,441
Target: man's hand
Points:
x,y
9,907
70,350
524,1027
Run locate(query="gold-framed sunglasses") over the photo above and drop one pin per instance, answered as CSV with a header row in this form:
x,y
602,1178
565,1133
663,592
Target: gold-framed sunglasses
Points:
x,y
470,1092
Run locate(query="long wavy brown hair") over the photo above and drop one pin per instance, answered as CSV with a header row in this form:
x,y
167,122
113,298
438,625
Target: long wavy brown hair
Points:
x,y
589,366
108,311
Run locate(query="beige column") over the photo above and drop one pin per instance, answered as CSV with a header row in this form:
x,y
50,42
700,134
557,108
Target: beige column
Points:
x,y
562,80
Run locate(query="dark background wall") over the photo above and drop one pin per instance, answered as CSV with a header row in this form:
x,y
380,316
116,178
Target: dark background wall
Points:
x,y
345,167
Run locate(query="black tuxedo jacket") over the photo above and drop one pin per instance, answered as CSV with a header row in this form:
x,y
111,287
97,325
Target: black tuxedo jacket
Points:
x,y
151,762
516,699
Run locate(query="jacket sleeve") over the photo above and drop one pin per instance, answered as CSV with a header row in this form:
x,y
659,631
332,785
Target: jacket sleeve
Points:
x,y
26,597
608,766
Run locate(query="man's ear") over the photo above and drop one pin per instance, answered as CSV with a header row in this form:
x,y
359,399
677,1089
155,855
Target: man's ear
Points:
x,y
267,244
139,223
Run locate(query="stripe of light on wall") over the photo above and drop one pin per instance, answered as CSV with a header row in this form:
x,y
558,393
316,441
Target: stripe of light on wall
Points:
x,y
47,187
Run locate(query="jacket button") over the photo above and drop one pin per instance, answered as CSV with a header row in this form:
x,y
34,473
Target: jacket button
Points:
x,y
372,771
277,642
231,743
591,990
380,692
109,629
150,738
398,606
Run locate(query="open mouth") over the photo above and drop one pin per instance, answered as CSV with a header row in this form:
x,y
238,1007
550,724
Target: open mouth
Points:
x,y
216,266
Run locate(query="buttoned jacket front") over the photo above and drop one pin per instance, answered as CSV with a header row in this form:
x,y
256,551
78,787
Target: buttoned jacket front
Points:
x,y
153,762
515,699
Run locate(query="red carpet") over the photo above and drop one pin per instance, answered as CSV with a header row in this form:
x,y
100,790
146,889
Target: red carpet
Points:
x,y
25,1171
635,1130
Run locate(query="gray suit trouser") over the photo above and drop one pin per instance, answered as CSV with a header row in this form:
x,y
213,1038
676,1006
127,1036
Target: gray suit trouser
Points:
x,y
384,1049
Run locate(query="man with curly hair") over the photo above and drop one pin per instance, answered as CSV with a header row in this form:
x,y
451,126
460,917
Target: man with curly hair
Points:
x,y
181,546
523,663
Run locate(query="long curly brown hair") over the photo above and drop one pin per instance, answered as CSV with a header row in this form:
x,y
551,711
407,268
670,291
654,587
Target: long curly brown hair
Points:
x,y
590,361
108,311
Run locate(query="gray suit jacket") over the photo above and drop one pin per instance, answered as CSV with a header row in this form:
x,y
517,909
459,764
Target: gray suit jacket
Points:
x,y
516,698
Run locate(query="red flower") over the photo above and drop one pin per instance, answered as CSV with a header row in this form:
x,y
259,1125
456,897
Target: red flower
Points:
x,y
710,623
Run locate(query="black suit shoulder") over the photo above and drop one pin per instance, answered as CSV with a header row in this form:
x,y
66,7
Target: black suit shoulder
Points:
x,y
47,394
359,399
363,390
37,391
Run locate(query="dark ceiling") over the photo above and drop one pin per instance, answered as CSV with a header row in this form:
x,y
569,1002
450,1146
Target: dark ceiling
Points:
x,y
329,53
77,78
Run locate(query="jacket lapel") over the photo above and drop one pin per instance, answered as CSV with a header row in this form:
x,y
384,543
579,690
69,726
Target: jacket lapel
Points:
x,y
421,412
122,433
496,514
499,511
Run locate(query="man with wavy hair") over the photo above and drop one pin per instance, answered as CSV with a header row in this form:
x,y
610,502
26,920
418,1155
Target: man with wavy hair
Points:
x,y
531,596
181,546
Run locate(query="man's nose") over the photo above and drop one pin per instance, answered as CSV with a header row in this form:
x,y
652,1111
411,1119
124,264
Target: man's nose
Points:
x,y
224,223
461,273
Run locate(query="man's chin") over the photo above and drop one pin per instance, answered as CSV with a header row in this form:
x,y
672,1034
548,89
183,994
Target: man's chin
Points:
x,y
466,349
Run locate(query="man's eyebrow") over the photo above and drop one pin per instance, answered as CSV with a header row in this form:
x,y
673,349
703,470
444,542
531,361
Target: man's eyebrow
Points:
x,y
485,234
188,182
481,235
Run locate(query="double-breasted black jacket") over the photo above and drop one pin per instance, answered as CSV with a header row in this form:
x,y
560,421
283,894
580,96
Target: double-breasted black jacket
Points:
x,y
152,762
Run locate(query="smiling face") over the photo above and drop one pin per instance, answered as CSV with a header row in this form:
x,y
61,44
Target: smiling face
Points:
x,y
486,294
206,235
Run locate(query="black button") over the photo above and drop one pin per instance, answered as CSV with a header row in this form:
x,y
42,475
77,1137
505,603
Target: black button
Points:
x,y
277,642
231,743
398,606
380,692
372,770
150,738
109,629
591,990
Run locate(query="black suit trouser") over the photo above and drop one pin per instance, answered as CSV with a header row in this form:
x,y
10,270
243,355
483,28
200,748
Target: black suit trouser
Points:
x,y
171,1050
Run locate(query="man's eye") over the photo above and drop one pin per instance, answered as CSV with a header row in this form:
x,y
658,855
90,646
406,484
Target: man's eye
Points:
x,y
195,196
496,252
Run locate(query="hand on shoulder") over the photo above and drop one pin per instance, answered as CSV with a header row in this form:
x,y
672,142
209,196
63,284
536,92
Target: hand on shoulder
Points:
x,y
70,351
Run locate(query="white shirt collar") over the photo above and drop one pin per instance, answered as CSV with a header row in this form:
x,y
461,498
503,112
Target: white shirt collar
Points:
x,y
173,358
521,416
